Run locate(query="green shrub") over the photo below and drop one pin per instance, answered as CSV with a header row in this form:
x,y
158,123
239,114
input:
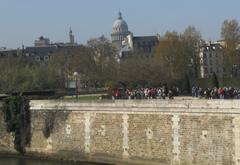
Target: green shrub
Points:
x,y
17,118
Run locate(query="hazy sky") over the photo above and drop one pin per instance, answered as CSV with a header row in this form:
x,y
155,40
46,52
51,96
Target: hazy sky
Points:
x,y
22,21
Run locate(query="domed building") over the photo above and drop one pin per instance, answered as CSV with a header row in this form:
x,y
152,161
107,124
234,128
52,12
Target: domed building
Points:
x,y
119,32
127,44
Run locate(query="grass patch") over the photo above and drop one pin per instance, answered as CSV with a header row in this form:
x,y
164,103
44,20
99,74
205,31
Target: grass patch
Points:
x,y
84,97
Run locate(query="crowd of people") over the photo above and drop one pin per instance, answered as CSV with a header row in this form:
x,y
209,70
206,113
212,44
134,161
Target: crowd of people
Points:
x,y
165,92
216,93
146,93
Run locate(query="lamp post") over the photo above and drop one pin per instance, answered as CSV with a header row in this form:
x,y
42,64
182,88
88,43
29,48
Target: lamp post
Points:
x,y
75,74
191,69
234,70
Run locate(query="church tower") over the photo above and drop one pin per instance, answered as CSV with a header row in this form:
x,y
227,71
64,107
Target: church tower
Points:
x,y
71,37
119,31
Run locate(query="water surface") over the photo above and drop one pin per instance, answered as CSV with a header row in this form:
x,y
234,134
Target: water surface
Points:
x,y
31,161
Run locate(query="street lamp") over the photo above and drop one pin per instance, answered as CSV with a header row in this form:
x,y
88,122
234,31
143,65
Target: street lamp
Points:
x,y
234,70
190,65
75,74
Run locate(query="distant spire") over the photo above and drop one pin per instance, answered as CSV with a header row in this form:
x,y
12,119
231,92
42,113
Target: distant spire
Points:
x,y
71,36
119,14
23,49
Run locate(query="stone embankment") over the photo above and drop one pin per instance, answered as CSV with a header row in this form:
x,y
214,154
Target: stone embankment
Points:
x,y
165,132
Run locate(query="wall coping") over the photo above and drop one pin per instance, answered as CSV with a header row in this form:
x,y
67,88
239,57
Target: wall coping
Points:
x,y
132,106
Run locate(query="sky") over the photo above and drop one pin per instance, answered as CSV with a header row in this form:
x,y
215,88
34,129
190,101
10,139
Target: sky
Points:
x,y
23,21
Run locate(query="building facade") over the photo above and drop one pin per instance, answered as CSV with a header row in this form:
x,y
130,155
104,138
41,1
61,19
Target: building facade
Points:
x,y
211,60
5,52
119,31
41,41
43,48
40,53
127,44
139,45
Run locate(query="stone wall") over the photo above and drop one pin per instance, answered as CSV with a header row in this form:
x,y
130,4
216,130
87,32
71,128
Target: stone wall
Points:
x,y
165,132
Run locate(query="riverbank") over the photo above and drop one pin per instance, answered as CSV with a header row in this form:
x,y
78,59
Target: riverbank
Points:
x,y
32,160
135,132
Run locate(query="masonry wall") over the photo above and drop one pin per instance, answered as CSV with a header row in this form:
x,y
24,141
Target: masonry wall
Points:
x,y
177,132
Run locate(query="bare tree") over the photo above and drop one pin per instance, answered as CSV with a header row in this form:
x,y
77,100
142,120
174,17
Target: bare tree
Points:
x,y
104,54
171,54
230,33
192,39
141,71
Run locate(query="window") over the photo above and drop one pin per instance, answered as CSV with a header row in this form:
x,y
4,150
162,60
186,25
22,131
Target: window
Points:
x,y
224,70
46,58
210,62
211,70
37,58
204,55
145,49
205,62
150,49
210,55
206,70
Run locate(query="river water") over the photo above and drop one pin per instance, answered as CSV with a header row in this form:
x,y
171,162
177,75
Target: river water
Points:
x,y
30,161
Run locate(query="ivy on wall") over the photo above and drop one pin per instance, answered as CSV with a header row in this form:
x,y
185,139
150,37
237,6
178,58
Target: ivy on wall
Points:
x,y
17,118
49,124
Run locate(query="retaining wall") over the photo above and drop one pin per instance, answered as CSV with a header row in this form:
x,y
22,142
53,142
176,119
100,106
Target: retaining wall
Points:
x,y
165,132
